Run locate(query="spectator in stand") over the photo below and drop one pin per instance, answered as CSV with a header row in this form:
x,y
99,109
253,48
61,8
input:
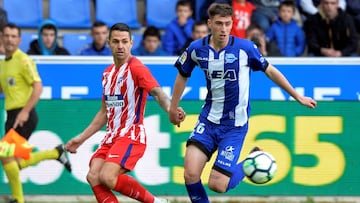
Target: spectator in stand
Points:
x,y
266,12
179,29
99,46
257,35
241,17
150,44
47,43
286,33
3,22
310,7
353,8
330,32
200,29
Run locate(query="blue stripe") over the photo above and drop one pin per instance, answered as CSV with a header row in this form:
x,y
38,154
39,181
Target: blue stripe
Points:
x,y
126,156
138,108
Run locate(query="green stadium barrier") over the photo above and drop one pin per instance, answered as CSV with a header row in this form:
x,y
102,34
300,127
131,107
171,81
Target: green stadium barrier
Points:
x,y
316,149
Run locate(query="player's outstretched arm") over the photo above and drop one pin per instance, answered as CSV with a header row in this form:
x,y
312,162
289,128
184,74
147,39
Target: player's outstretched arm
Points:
x,y
276,76
164,102
175,114
97,123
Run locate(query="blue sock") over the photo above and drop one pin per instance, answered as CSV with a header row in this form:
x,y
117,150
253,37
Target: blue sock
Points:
x,y
236,177
197,193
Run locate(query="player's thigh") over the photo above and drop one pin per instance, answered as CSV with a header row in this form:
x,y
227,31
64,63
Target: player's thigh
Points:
x,y
194,163
229,150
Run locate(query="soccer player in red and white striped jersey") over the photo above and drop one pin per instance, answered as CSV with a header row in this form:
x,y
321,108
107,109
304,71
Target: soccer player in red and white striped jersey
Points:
x,y
126,84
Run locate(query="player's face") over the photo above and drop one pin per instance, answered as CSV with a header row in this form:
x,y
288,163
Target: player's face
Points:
x,y
220,27
100,34
11,39
48,36
120,44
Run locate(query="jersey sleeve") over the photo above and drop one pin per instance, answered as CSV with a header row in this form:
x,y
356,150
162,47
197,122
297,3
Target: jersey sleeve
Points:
x,y
184,63
30,72
257,61
144,77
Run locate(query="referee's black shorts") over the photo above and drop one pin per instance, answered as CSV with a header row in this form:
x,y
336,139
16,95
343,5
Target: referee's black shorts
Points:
x,y
28,127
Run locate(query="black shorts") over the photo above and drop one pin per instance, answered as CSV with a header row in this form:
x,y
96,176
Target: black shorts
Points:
x,y
29,126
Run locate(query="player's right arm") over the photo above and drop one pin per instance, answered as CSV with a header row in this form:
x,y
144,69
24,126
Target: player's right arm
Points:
x,y
179,87
96,124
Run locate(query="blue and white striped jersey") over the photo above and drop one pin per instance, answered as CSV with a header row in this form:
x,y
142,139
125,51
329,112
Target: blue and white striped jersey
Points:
x,y
227,75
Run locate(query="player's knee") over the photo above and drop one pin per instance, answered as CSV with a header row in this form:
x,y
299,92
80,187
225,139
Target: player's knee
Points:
x,y
107,179
191,176
92,178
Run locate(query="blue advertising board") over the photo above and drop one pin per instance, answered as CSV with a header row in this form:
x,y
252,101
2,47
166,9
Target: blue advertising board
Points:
x,y
324,79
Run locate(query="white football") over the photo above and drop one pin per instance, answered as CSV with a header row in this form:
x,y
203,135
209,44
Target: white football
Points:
x,y
259,167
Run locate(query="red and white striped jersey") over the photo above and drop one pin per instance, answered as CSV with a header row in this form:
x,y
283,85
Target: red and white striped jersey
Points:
x,y
125,91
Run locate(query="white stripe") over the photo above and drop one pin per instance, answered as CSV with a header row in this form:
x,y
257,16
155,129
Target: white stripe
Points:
x,y
107,92
130,97
118,110
241,116
217,87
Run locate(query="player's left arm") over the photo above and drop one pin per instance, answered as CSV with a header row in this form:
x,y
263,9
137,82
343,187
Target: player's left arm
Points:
x,y
277,77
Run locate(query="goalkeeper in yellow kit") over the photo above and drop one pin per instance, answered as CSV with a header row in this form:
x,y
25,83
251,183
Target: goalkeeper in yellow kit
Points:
x,y
21,84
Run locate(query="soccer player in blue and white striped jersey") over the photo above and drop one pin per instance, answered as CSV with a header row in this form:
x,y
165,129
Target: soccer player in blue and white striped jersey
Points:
x,y
223,122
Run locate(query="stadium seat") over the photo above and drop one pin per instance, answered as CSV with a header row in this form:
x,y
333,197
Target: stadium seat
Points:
x,y
159,13
137,38
25,14
197,9
70,13
73,42
26,39
114,11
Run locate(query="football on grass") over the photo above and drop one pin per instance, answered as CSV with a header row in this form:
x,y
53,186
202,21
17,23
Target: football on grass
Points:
x,y
259,167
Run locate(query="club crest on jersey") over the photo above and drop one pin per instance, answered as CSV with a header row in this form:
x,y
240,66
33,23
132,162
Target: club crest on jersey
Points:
x,y
230,58
120,80
183,57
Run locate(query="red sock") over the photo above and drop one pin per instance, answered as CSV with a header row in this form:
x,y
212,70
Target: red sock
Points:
x,y
128,186
104,195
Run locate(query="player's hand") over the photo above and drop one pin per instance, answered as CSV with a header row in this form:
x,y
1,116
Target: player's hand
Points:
x,y
307,101
176,116
72,145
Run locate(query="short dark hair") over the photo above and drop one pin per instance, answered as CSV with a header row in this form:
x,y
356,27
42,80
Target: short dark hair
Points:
x,y
12,26
198,23
184,3
152,31
48,27
253,26
122,27
222,9
289,3
98,24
